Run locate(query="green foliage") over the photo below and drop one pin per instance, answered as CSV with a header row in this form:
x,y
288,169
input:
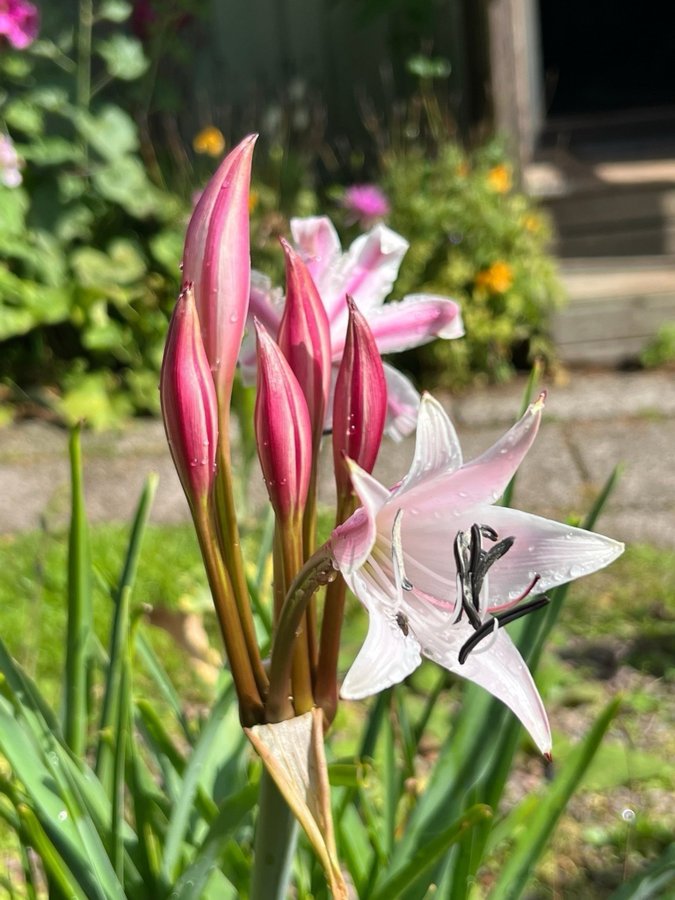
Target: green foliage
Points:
x,y
86,276
661,350
473,237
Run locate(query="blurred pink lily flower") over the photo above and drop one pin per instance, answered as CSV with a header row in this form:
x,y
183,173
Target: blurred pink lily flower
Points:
x,y
19,22
366,272
365,204
441,570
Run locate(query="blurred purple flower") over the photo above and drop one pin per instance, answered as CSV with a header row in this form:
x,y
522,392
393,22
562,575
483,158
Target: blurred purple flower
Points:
x,y
365,204
10,164
19,22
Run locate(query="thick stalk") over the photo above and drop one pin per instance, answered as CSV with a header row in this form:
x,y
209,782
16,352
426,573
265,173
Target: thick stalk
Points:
x,y
317,571
230,546
290,534
326,689
250,699
275,839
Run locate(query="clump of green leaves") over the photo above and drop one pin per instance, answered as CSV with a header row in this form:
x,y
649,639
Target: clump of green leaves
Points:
x,y
473,237
661,350
89,241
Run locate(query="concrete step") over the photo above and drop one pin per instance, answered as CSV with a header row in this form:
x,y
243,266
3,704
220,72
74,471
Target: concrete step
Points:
x,y
615,308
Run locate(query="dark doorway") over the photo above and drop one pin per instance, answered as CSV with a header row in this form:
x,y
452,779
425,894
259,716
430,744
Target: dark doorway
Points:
x,y
604,56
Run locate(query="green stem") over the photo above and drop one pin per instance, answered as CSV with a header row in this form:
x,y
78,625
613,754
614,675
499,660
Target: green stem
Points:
x,y
86,25
275,839
230,546
250,703
326,689
317,571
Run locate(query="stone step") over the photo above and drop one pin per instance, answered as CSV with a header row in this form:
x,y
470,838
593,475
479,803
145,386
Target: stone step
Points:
x,y
615,308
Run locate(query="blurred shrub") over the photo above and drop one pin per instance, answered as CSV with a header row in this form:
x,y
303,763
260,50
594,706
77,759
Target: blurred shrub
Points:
x,y
473,237
89,243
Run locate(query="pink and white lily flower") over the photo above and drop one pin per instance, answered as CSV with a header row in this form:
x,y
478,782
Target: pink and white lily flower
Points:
x,y
441,569
366,272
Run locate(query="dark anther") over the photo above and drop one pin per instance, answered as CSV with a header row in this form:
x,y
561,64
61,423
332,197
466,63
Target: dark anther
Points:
x,y
501,619
473,564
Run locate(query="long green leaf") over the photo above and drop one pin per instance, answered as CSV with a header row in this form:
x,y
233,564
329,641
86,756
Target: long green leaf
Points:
x,y
80,794
56,868
526,851
653,883
427,856
119,639
79,608
192,882
205,747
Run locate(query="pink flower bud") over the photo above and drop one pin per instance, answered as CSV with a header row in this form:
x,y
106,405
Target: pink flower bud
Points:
x,y
360,404
304,338
188,399
216,259
283,430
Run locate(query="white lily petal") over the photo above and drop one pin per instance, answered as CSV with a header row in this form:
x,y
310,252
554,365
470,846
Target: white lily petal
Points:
x,y
318,243
484,479
353,541
414,321
403,403
266,304
437,446
388,655
556,552
501,670
367,272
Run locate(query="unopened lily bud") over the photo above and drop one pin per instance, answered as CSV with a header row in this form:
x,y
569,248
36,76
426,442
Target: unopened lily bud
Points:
x,y
283,430
304,338
188,399
216,260
360,404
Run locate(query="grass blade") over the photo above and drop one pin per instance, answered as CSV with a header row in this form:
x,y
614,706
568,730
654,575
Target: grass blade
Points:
x,y
204,748
523,856
119,639
79,626
426,856
57,871
192,882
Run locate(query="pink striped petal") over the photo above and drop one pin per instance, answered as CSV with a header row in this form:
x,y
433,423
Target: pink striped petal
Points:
x,y
318,243
412,322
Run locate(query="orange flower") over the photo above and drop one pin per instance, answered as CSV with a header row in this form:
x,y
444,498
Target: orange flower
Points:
x,y
496,279
209,140
499,178
532,223
253,200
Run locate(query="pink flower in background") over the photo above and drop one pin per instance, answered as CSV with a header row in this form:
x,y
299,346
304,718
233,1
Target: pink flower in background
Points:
x,y
366,272
365,203
10,164
19,22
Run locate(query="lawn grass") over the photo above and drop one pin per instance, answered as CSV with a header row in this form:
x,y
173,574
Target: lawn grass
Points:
x,y
617,633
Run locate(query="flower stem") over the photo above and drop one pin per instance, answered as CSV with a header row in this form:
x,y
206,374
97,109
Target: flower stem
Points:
x,y
228,534
317,571
250,702
275,839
